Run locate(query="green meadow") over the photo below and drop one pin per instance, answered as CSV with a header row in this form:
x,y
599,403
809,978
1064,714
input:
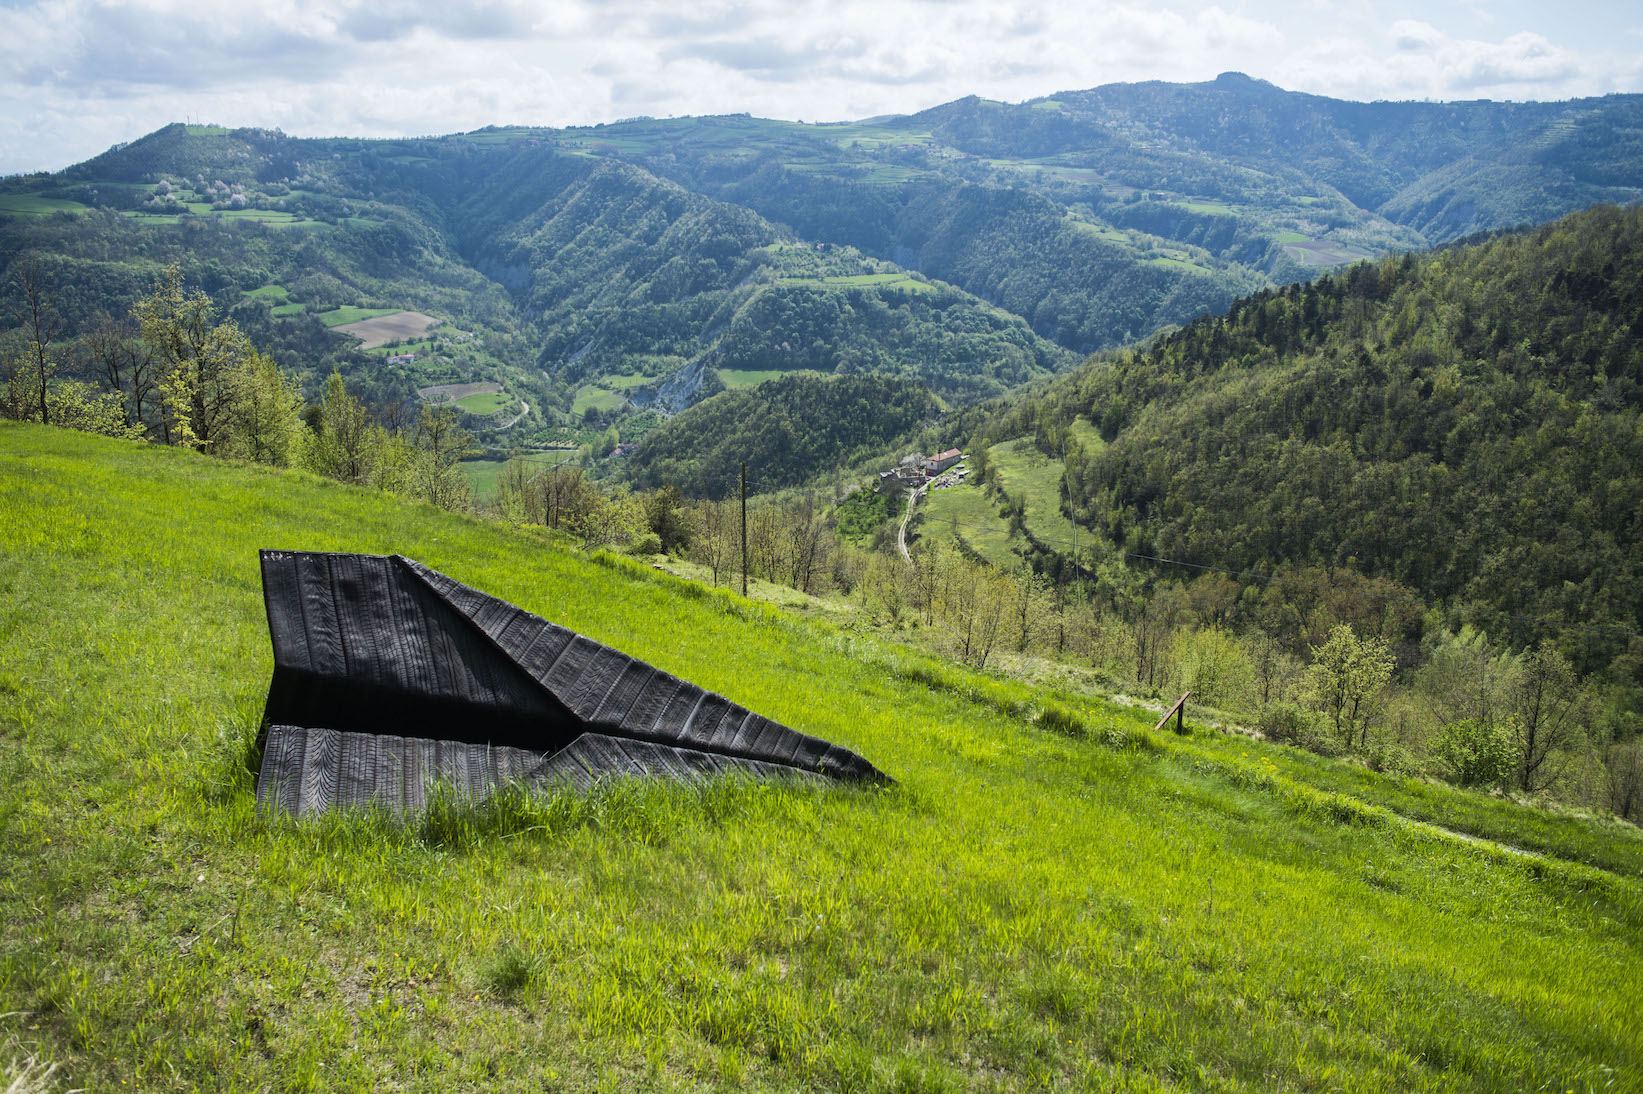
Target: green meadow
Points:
x,y
1051,897
35,205
486,403
748,377
348,313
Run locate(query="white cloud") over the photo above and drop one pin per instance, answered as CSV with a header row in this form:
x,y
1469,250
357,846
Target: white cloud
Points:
x,y
78,75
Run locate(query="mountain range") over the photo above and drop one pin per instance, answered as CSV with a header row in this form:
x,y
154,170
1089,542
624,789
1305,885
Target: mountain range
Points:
x,y
617,273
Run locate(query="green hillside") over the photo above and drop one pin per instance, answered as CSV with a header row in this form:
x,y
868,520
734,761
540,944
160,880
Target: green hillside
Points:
x,y
1090,908
972,247
787,429
1464,422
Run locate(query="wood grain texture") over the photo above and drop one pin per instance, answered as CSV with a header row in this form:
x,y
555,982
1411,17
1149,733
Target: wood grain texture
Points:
x,y
390,676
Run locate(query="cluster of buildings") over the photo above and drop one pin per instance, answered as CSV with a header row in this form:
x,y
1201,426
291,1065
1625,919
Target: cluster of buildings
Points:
x,y
915,470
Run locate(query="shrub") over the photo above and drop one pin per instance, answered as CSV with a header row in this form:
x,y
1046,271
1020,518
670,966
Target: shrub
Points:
x,y
1477,753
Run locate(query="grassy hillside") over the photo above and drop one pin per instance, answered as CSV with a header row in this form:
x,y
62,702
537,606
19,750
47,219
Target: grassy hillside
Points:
x,y
1093,908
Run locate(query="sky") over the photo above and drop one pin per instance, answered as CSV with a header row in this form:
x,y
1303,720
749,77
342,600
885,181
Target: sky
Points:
x,y
77,76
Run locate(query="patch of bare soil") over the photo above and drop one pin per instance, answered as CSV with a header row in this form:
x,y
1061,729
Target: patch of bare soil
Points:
x,y
390,328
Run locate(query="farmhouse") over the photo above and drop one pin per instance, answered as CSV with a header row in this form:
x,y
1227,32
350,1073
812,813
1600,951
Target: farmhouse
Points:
x,y
402,359
935,465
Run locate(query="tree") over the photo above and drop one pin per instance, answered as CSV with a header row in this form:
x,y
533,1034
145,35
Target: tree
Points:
x,y
1347,677
346,445
441,444
196,355
125,364
1546,702
264,422
32,370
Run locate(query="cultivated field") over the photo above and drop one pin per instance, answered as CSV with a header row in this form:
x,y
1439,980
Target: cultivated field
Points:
x,y
380,327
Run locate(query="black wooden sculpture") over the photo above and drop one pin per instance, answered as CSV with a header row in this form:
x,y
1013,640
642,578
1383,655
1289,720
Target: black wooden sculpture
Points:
x,y
389,676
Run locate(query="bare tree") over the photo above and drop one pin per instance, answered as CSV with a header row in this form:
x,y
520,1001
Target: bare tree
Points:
x,y
124,363
1546,700
34,369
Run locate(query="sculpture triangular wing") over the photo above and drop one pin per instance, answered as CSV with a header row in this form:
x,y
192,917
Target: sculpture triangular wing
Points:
x,y
388,675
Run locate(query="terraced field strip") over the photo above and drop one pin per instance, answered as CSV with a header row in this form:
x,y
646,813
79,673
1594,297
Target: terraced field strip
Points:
x,y
455,393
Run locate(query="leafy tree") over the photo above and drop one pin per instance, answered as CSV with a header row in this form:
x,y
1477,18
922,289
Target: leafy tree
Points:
x,y
1347,677
197,355
264,421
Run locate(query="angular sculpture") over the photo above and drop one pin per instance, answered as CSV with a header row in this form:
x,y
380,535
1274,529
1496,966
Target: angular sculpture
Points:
x,y
389,675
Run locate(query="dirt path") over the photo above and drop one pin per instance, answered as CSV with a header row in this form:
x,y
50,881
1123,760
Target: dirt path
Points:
x,y
901,533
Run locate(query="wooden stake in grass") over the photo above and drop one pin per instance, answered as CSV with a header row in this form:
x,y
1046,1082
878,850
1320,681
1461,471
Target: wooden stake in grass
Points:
x,y
1178,712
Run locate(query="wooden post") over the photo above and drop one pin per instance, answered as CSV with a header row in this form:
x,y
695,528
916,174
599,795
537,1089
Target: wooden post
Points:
x,y
1178,712
744,527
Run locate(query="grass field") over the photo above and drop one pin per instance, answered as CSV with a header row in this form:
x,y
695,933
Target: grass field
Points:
x,y
425,346
1026,473
486,403
748,377
898,282
482,475
34,205
274,293
1092,908
280,311
597,397
966,511
341,316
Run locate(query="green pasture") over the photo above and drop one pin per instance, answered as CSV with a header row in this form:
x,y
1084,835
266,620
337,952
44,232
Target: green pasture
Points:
x,y
1086,434
625,382
1104,231
207,130
597,397
1173,261
1025,472
424,346
748,377
899,282
1088,906
347,313
283,310
1291,236
276,293
486,403
966,512
35,205
482,476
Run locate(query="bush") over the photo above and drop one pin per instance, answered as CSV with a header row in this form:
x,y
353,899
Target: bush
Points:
x,y
1475,753
1286,722
647,543
1291,724
1392,759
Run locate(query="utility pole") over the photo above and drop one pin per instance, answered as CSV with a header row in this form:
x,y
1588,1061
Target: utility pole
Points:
x,y
744,527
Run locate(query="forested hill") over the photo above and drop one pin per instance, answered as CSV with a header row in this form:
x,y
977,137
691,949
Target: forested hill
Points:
x,y
585,277
1468,422
788,431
